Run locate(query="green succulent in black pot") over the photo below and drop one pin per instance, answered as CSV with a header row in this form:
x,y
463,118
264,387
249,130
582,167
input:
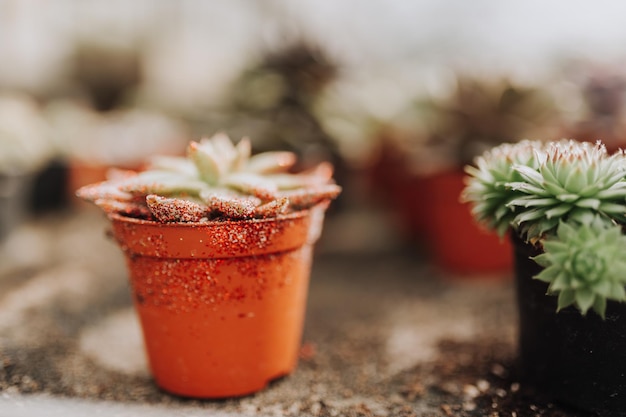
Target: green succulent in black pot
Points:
x,y
564,205
569,199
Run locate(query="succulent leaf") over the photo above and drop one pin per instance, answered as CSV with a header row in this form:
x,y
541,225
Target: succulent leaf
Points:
x,y
599,306
168,210
567,198
618,191
161,183
529,175
575,180
566,298
103,191
532,202
127,208
558,211
205,159
273,208
312,196
584,299
527,188
591,203
271,162
244,150
246,183
231,206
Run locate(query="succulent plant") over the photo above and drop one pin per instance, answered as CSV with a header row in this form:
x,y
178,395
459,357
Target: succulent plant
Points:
x,y
488,188
574,181
216,180
276,95
567,198
585,265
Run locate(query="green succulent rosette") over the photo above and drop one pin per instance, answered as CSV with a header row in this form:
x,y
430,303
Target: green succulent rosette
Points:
x,y
573,182
566,197
488,183
585,265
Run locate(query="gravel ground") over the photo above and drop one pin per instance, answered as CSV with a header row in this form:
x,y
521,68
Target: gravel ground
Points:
x,y
386,335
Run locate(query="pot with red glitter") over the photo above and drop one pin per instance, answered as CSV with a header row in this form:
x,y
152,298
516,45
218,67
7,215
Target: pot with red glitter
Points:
x,y
219,259
221,304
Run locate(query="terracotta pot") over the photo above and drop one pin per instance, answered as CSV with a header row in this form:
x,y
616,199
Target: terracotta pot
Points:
x,y
458,244
572,359
221,303
405,195
394,186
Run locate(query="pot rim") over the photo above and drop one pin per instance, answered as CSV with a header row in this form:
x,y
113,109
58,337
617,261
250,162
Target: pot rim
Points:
x,y
218,239
144,222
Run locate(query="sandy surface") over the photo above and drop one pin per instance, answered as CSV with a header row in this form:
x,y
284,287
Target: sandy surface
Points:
x,y
386,335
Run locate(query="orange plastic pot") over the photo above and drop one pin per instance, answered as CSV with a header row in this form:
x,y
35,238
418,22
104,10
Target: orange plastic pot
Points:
x,y
221,304
458,244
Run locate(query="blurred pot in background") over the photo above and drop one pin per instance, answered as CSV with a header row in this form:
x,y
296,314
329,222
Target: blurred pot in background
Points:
x,y
279,91
274,97
432,141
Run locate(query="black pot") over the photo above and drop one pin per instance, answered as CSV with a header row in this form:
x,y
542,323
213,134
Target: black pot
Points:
x,y
577,360
49,191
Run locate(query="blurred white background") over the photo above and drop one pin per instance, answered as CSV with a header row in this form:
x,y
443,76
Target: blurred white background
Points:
x,y
184,42
192,67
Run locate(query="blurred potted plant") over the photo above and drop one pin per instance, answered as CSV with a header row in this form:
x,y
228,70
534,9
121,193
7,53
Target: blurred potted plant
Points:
x,y
275,97
94,142
451,131
107,74
219,248
564,204
24,149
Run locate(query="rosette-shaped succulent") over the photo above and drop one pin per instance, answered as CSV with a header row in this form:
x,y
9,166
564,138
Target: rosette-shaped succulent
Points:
x,y
217,180
585,265
568,198
574,181
487,185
